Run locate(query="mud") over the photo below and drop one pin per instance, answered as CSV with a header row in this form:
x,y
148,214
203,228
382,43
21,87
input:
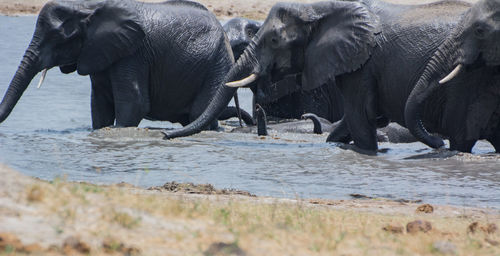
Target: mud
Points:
x,y
202,189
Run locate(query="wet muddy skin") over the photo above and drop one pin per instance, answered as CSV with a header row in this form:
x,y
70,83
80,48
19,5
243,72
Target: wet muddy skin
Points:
x,y
48,135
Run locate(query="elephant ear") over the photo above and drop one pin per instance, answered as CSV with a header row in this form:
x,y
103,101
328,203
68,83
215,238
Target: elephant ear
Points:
x,y
342,40
113,31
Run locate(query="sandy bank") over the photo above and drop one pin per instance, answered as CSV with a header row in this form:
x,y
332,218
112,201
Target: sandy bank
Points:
x,y
254,9
60,217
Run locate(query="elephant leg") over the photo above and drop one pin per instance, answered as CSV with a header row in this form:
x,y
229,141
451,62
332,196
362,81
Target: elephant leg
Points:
x,y
360,110
462,146
130,82
340,133
101,101
495,141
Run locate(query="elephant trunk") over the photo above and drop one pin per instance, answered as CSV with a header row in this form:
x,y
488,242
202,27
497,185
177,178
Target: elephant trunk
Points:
x,y
442,62
243,67
24,74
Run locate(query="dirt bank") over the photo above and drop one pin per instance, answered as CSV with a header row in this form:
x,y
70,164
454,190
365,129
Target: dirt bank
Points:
x,y
254,9
60,217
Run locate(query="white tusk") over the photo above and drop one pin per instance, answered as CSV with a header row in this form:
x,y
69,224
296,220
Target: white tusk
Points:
x,y
44,73
451,75
242,82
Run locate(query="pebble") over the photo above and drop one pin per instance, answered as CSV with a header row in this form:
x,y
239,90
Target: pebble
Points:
x,y
418,226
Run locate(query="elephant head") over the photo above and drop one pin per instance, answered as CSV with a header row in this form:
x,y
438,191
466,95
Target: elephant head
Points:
x,y
240,32
83,36
473,43
318,41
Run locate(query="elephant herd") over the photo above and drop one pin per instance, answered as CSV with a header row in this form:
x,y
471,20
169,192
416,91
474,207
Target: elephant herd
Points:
x,y
351,67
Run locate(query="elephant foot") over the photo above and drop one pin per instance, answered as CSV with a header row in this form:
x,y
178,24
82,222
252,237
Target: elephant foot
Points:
x,y
340,133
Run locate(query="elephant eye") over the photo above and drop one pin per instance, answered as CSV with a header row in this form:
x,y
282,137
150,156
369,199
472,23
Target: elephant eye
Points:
x,y
250,32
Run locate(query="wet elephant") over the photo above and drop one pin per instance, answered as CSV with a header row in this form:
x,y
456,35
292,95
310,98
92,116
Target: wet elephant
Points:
x,y
458,93
278,52
312,123
159,61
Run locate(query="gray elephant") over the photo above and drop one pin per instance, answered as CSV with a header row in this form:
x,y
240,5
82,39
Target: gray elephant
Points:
x,y
289,102
240,32
277,53
376,53
465,104
159,61
419,46
393,132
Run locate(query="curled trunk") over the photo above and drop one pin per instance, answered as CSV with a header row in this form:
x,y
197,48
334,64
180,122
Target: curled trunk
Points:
x,y
24,74
243,67
442,62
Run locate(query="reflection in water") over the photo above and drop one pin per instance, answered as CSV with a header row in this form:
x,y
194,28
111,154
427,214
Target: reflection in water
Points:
x,y
48,134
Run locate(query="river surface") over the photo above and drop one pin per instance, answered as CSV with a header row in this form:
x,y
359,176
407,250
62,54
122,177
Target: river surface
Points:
x,y
48,135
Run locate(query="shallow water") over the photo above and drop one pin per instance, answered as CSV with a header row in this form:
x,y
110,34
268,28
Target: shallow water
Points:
x,y
48,135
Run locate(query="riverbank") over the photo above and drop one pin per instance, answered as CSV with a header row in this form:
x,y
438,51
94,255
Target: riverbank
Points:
x,y
60,217
255,9
223,9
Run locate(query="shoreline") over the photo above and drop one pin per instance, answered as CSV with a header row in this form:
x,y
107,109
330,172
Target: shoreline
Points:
x,y
223,9
58,217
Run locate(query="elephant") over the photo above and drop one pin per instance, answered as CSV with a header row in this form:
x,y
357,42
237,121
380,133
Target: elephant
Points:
x,y
283,56
281,126
393,132
468,98
382,57
158,61
424,43
240,32
293,102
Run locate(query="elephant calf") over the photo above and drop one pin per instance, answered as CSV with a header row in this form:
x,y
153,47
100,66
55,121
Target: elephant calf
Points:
x,y
159,61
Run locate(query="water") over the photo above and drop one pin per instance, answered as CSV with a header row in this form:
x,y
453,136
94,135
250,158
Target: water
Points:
x,y
48,135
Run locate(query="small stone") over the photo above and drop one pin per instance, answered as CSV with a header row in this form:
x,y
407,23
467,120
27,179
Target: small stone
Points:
x,y
472,228
393,229
35,194
425,208
224,249
444,247
418,226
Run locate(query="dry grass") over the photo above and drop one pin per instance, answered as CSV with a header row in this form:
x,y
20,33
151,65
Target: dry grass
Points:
x,y
112,219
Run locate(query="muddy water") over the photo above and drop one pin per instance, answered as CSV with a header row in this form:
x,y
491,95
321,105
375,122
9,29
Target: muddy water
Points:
x,y
48,135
